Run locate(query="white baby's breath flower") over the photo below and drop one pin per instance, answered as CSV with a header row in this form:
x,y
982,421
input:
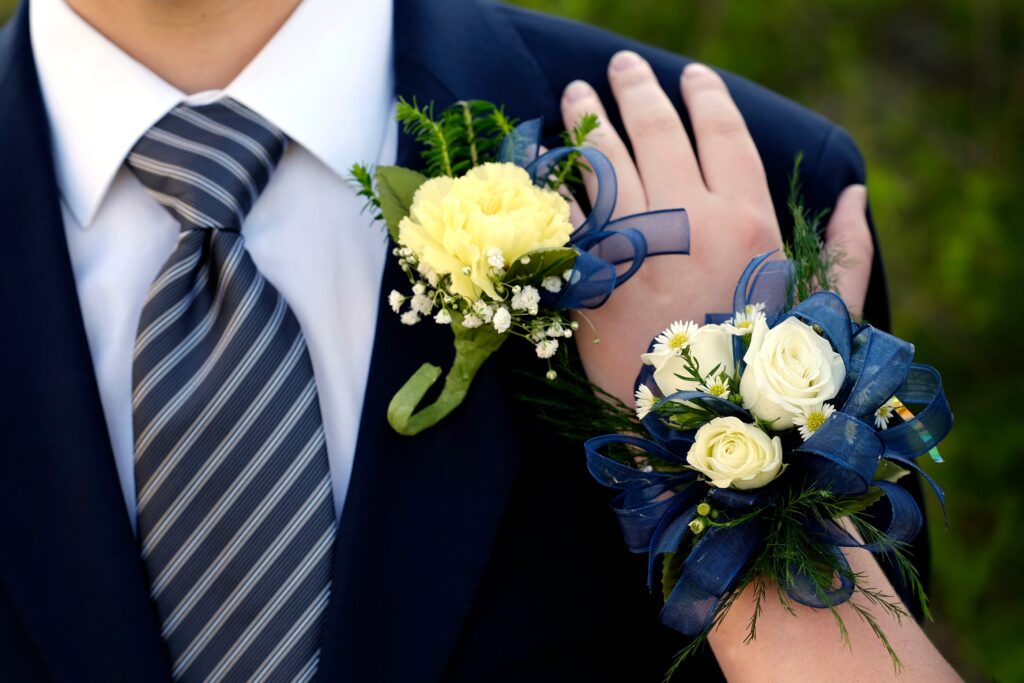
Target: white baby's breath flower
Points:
x,y
885,413
422,304
547,348
567,275
502,320
471,322
552,284
555,330
428,273
525,260
419,288
810,418
483,311
645,400
495,259
676,338
410,318
742,323
527,299
395,300
443,317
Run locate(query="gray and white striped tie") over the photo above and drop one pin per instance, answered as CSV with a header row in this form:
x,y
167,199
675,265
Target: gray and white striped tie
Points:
x,y
235,514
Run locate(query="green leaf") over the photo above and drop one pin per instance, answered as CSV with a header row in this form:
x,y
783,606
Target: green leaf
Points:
x,y
890,472
395,189
671,570
542,263
852,506
472,348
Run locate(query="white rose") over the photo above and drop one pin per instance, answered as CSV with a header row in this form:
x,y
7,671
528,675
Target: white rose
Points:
x,y
731,452
711,345
789,367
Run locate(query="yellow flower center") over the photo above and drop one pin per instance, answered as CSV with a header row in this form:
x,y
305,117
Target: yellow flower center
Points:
x,y
744,324
716,389
678,341
815,420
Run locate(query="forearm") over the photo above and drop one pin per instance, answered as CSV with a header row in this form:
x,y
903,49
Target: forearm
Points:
x,y
808,647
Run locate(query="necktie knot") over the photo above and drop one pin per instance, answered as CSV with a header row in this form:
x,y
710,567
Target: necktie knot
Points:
x,y
208,164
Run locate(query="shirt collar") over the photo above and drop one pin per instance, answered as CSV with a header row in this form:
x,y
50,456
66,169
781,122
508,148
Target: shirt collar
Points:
x,y
325,79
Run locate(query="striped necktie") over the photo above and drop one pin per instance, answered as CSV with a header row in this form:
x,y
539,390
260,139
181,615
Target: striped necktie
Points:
x,y
235,514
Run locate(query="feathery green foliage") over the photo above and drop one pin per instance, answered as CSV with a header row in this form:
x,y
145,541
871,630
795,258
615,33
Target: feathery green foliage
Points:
x,y
812,262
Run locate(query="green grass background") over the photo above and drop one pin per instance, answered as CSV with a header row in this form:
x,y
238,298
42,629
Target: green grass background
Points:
x,y
933,91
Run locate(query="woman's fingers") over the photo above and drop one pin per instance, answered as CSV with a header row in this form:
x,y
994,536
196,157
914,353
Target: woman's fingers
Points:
x,y
728,158
580,98
664,157
849,239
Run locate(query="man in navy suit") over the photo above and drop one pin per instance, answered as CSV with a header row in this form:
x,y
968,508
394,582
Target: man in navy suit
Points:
x,y
477,551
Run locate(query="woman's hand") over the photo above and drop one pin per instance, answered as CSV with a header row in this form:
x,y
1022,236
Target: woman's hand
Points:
x,y
723,187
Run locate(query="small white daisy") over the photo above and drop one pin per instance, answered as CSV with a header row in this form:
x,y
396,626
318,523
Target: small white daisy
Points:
x,y
410,318
885,413
645,400
547,348
495,259
502,320
742,323
716,386
552,284
443,317
471,322
812,417
395,300
676,338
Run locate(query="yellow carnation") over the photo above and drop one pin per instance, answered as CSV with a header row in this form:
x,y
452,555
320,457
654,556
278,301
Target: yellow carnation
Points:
x,y
454,224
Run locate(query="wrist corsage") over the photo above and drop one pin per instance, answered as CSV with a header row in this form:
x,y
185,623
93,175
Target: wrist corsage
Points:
x,y
774,439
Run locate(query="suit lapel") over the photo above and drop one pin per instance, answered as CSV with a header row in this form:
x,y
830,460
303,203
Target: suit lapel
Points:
x,y
68,556
422,512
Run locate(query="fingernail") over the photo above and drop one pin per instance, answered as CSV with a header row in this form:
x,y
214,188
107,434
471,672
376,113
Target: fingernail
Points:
x,y
862,191
577,90
625,60
695,69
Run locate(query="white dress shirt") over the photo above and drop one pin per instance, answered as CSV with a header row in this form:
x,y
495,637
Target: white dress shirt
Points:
x,y
307,233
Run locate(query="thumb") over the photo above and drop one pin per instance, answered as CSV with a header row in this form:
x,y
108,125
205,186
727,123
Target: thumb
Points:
x,y
848,239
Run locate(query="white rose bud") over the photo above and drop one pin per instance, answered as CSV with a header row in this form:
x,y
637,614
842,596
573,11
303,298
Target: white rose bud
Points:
x,y
731,452
711,346
789,367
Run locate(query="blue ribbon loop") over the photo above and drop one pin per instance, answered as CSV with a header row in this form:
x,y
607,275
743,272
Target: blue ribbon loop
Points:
x,y
603,243
655,507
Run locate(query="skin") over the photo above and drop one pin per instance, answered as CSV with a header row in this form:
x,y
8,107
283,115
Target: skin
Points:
x,y
723,186
199,45
194,45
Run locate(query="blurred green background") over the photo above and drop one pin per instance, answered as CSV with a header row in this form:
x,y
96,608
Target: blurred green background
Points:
x,y
933,91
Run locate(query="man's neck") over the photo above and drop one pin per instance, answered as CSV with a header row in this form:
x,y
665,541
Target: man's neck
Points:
x,y
194,45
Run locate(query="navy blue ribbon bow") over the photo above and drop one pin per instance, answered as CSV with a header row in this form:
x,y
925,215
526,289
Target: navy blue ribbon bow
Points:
x,y
654,508
603,243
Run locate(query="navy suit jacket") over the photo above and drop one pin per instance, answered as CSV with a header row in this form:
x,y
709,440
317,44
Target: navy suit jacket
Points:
x,y
477,551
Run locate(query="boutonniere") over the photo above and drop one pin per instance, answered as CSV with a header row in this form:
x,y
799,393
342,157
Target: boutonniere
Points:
x,y
483,231
768,433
